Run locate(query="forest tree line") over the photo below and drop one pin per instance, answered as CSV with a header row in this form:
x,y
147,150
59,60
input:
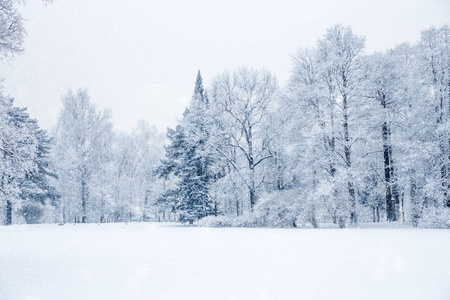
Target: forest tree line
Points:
x,y
351,138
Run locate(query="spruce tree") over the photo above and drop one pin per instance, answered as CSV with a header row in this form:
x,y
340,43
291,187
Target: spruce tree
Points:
x,y
190,159
18,152
35,189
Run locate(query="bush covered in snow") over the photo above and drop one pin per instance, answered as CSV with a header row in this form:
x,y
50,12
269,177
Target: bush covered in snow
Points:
x,y
226,221
278,209
32,212
433,217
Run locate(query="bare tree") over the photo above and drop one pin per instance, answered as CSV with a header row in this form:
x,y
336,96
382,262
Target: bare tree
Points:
x,y
245,98
11,30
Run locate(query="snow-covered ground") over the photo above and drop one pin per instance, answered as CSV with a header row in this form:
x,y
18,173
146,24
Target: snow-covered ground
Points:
x,y
155,261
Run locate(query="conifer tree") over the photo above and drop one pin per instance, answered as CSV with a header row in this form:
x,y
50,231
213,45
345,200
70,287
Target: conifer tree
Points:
x,y
190,159
18,150
34,187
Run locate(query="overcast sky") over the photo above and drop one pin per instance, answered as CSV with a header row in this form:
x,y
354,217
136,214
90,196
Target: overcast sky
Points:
x,y
140,57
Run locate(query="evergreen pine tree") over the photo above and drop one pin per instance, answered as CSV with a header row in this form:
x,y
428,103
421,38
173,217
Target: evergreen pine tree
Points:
x,y
190,159
18,152
35,189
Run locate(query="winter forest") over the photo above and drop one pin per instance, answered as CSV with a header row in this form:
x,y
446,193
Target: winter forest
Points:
x,y
352,138
167,150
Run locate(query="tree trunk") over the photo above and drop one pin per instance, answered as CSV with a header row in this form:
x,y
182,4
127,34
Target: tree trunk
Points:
x,y
403,207
390,210
251,166
252,191
353,215
8,212
280,184
414,201
377,207
391,189
395,188
348,162
83,200
313,219
376,213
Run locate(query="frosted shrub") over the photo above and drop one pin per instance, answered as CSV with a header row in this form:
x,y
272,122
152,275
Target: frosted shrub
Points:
x,y
278,209
433,217
32,212
228,221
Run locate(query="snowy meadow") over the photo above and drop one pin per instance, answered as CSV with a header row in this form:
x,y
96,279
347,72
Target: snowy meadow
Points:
x,y
169,261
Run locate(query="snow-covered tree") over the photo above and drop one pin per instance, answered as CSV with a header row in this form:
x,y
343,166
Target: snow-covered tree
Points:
x,y
18,153
190,157
324,121
309,111
429,137
82,154
23,146
135,185
382,86
245,99
36,191
11,29
341,51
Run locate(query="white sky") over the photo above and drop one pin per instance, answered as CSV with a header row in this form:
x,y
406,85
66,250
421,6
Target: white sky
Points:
x,y
140,57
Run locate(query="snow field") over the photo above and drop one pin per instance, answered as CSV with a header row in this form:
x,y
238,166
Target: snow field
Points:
x,y
166,261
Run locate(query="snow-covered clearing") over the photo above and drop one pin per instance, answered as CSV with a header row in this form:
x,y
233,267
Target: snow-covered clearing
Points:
x,y
156,261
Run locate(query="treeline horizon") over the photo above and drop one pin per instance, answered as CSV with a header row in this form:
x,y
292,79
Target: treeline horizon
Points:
x,y
351,138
